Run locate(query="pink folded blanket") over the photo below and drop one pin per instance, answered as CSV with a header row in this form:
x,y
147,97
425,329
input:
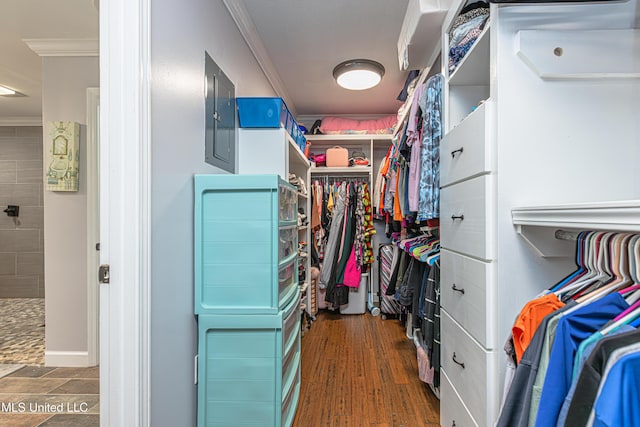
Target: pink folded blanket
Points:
x,y
339,125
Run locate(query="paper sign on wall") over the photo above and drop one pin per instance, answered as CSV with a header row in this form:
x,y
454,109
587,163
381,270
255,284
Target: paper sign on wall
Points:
x,y
62,156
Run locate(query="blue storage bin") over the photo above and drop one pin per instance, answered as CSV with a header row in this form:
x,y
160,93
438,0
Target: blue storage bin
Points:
x,y
291,123
302,141
263,113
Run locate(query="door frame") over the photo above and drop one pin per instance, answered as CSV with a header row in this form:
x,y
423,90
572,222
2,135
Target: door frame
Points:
x,y
93,224
125,212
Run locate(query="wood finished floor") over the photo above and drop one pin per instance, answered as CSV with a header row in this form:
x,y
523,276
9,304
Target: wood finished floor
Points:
x,y
361,371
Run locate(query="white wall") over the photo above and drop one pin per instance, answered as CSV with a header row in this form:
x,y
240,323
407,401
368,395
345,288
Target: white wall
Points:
x,y
181,31
64,84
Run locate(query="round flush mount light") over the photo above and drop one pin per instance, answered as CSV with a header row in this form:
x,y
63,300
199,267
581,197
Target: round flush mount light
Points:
x,y
358,74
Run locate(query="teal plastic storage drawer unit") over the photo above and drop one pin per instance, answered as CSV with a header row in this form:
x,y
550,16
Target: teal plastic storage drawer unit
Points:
x,y
249,368
246,244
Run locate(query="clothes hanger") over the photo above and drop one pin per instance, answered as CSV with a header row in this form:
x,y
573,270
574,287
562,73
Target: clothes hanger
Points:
x,y
601,266
634,255
583,260
632,313
608,260
617,266
595,263
580,244
628,266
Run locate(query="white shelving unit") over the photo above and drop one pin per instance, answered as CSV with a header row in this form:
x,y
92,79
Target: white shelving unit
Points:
x,y
531,119
375,147
274,151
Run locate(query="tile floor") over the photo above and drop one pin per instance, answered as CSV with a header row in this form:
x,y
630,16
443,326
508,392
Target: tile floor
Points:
x,y
32,395
22,331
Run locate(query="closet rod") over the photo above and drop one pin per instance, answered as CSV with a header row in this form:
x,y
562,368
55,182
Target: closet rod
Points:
x,y
567,235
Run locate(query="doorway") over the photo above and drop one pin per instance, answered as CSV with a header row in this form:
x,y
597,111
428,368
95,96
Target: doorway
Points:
x,y
21,253
22,338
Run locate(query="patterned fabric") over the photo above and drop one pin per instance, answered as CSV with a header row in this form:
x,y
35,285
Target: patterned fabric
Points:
x,y
358,243
369,228
431,321
465,17
389,258
431,104
463,38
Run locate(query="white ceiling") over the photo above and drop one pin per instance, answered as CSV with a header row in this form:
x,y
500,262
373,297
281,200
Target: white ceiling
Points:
x,y
306,39
20,67
303,40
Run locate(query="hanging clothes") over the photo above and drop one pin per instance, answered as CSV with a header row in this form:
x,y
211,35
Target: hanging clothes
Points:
x,y
561,378
347,231
431,320
333,237
431,104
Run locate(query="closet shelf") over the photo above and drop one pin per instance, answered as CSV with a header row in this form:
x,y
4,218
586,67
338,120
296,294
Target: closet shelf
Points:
x,y
537,224
473,69
340,171
350,137
614,216
295,154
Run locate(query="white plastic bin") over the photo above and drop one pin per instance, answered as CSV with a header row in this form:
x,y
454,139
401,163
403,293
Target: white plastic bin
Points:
x,y
357,298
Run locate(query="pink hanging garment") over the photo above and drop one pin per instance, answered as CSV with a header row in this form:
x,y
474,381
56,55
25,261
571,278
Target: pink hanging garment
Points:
x,y
425,370
352,271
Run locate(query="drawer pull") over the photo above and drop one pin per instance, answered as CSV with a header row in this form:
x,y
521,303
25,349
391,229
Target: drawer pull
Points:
x,y
455,361
460,217
461,290
453,424
454,152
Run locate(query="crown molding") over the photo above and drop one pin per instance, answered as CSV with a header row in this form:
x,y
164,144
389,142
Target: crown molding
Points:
x,y
64,47
250,34
20,121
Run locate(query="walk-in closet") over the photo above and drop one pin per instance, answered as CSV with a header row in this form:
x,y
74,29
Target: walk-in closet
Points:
x,y
407,213
467,260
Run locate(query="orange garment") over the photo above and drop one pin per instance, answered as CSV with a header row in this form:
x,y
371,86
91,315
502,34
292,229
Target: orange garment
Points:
x,y
315,215
385,167
529,319
397,212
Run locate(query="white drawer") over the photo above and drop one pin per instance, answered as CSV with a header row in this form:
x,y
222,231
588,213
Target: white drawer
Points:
x,y
453,413
471,370
467,150
466,217
467,293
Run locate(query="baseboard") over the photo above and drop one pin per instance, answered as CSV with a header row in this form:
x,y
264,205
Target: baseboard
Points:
x,y
70,359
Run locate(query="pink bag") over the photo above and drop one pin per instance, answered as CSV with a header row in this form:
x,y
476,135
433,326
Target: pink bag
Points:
x,y
337,157
320,159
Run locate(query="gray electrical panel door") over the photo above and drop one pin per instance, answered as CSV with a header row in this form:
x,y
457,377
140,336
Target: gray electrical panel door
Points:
x,y
220,110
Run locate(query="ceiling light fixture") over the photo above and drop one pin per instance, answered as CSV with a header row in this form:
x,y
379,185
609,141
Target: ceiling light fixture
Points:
x,y
5,91
358,74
